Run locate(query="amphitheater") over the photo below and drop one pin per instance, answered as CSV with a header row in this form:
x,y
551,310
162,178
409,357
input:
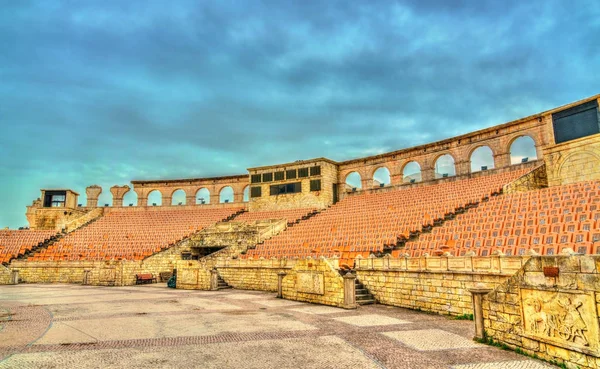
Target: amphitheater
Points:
x,y
515,243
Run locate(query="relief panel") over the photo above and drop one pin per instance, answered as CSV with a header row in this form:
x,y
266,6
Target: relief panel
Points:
x,y
310,282
564,319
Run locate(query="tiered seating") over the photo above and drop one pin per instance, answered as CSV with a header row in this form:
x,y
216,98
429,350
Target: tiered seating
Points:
x,y
291,215
132,235
14,243
545,221
365,223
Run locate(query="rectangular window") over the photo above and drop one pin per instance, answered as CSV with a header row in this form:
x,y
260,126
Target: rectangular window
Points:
x,y
255,191
291,174
302,172
315,171
267,177
279,176
286,188
315,185
55,199
58,201
578,121
255,178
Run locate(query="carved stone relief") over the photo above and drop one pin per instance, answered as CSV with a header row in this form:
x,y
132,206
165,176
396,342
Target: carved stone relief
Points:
x,y
565,319
310,282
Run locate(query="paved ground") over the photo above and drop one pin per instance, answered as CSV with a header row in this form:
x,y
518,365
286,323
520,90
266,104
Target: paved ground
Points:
x,y
68,326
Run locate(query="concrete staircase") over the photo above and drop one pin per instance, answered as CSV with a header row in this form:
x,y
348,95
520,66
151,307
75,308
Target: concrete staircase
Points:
x,y
363,296
222,285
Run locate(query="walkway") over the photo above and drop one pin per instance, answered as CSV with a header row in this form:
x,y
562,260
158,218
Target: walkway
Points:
x,y
64,326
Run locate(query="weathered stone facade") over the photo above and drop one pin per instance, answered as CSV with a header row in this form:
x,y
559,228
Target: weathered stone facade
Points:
x,y
307,198
435,284
533,180
315,280
549,308
574,161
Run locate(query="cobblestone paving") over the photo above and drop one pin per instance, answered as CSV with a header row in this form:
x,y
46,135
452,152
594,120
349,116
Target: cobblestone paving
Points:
x,y
70,326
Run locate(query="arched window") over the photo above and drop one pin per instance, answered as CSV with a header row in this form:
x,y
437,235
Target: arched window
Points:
x,y
178,198
105,199
155,198
381,177
226,195
444,166
411,172
246,194
353,181
482,158
522,150
203,196
130,198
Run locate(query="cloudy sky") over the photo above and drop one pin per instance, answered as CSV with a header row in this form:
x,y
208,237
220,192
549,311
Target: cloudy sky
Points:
x,y
103,92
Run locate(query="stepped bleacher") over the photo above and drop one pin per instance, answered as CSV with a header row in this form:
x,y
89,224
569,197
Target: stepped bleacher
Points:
x,y
14,243
290,215
132,235
366,223
545,221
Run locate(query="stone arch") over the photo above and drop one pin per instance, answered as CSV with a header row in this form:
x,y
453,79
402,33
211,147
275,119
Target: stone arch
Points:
x,y
381,176
130,198
178,197
526,148
353,180
246,192
203,196
481,158
411,172
574,167
155,197
105,199
225,194
444,165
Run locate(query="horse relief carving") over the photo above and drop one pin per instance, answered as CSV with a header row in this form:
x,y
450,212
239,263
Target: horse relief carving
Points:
x,y
562,317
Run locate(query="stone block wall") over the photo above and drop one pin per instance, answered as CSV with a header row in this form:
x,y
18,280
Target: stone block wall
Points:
x,y
315,280
193,275
435,284
257,275
550,309
4,275
305,199
573,161
104,273
533,180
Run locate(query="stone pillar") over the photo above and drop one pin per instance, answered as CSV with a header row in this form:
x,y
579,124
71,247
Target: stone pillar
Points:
x,y
190,200
427,174
280,276
238,197
142,201
166,200
214,279
477,293
118,192
349,291
92,193
14,276
86,277
214,198
462,167
502,160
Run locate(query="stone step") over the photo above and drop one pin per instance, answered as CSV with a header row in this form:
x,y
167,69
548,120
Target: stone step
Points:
x,y
362,291
365,302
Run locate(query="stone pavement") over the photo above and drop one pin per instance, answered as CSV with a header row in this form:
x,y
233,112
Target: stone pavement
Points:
x,y
151,326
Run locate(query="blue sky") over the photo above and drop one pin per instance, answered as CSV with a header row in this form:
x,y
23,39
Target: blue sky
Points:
x,y
103,92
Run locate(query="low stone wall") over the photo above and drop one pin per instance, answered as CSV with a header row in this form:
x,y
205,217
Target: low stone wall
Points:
x,y
103,273
193,275
315,280
257,275
550,309
435,284
4,275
